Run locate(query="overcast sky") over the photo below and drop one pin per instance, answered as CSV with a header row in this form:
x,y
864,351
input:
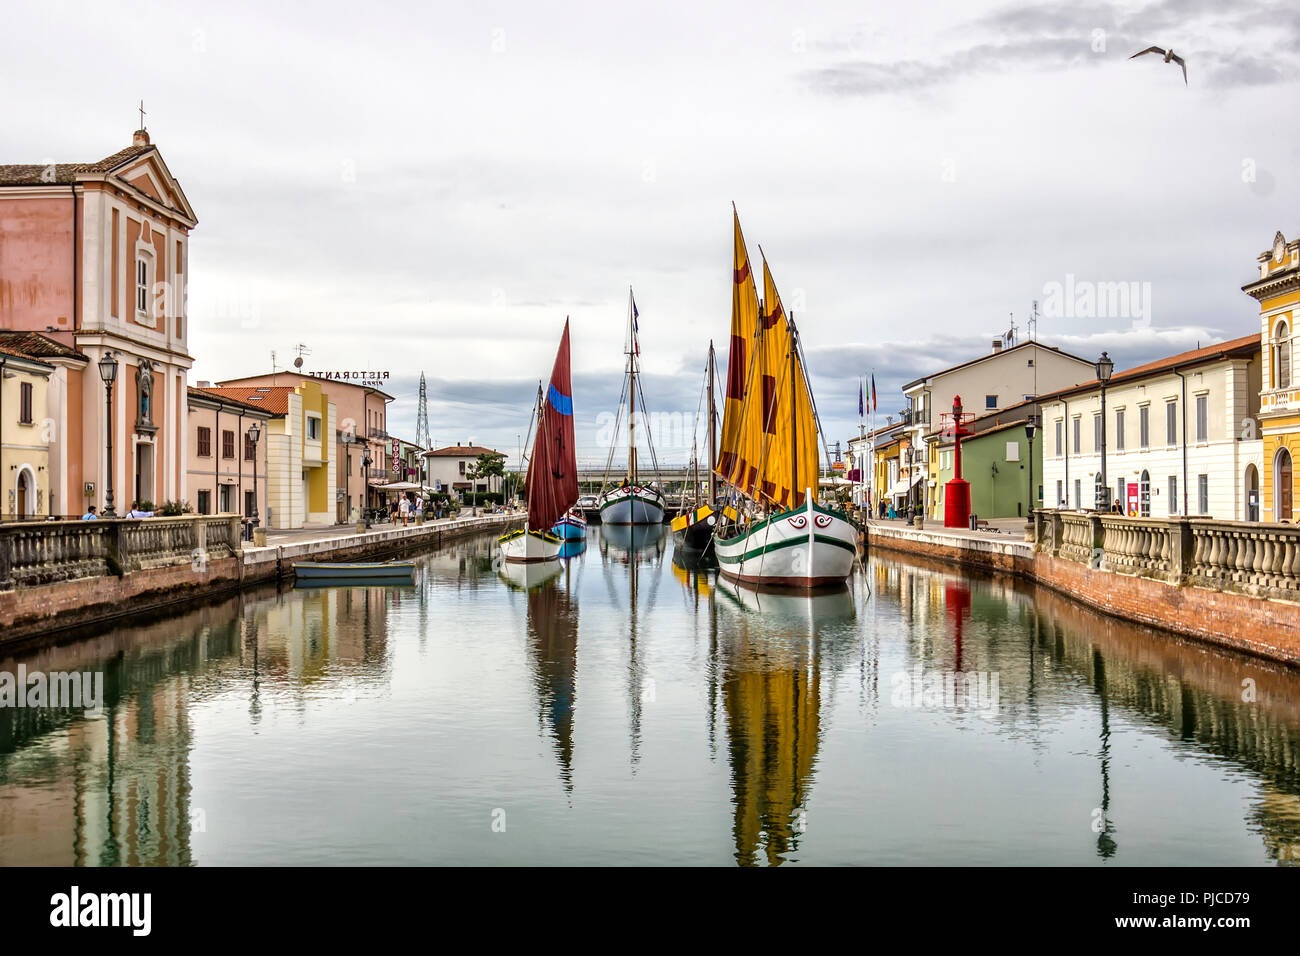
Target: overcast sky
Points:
x,y
434,187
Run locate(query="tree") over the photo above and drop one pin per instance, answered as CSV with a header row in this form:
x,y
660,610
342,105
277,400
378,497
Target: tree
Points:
x,y
489,465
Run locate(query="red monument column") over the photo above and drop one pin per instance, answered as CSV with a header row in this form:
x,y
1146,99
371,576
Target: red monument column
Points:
x,y
956,493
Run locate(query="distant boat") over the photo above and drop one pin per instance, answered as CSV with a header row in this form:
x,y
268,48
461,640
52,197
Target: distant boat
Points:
x,y
693,531
360,571
632,502
552,482
776,534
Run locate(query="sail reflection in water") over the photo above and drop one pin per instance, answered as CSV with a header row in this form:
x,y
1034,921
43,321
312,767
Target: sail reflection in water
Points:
x,y
717,725
771,677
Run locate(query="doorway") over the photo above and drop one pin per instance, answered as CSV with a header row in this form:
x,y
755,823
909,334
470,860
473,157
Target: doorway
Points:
x,y
1251,485
1282,487
144,473
24,495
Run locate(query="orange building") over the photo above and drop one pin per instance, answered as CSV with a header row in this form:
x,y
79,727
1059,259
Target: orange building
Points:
x,y
94,257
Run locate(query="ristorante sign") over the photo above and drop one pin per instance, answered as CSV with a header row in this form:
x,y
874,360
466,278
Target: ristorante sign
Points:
x,y
372,378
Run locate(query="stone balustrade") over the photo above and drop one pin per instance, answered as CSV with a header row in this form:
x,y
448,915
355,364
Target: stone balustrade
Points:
x,y
43,552
1262,560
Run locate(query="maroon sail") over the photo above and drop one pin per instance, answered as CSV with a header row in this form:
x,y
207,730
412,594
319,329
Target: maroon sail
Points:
x,y
552,482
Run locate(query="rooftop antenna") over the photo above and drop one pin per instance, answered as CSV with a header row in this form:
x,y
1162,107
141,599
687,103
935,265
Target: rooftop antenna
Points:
x,y
1033,322
301,350
142,126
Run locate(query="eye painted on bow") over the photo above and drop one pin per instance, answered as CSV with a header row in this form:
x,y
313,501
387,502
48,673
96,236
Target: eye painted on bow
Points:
x,y
798,521
823,521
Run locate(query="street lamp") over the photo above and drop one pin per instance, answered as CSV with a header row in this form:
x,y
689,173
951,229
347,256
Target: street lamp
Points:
x,y
365,484
1105,367
108,372
254,433
348,439
1031,426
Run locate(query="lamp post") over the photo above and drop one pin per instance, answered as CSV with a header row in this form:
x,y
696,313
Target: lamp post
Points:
x,y
365,484
254,433
1031,426
1105,366
108,372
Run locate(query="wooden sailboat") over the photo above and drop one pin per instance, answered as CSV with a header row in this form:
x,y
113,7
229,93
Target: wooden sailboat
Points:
x,y
632,502
552,482
778,535
693,531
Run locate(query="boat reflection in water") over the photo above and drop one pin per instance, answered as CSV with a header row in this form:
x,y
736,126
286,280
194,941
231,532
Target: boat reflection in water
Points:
x,y
528,576
621,541
770,672
573,548
553,656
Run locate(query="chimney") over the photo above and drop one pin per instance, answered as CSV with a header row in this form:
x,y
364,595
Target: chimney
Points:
x,y
997,345
140,138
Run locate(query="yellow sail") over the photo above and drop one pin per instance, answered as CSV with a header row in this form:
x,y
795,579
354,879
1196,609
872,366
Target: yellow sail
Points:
x,y
788,427
744,323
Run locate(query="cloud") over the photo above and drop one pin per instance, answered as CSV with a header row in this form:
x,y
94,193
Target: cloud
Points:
x,y
1225,48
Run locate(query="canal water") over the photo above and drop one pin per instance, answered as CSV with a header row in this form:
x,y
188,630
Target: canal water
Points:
x,y
623,710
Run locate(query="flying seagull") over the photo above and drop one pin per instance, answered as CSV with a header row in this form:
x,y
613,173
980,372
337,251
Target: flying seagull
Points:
x,y
1168,55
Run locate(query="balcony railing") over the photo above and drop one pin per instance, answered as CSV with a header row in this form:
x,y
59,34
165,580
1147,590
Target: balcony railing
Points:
x,y
42,552
1262,560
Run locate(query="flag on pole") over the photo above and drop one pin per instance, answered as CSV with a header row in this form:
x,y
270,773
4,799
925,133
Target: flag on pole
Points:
x,y
636,328
861,408
874,406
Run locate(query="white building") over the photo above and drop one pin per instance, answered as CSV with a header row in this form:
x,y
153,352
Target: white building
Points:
x,y
450,467
1181,436
994,381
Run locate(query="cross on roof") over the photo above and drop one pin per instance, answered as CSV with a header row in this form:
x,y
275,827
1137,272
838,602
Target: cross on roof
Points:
x,y
142,114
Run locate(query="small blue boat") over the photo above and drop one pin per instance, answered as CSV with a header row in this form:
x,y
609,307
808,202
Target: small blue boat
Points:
x,y
572,527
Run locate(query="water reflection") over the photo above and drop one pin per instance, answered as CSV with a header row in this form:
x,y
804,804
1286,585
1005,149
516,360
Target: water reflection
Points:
x,y
718,723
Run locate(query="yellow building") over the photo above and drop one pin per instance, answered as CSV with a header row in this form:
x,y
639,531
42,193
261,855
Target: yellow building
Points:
x,y
299,447
25,434
1278,292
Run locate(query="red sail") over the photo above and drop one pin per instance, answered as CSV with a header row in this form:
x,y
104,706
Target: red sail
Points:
x,y
552,482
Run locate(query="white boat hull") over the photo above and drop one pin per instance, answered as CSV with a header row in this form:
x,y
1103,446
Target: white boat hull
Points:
x,y
633,505
525,547
807,548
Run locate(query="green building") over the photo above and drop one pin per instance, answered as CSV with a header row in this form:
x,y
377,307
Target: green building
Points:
x,y
995,460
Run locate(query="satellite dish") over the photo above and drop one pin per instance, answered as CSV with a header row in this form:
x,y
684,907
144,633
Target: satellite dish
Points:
x,y
297,363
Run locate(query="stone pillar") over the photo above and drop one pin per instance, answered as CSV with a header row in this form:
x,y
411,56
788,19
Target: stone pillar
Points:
x,y
6,560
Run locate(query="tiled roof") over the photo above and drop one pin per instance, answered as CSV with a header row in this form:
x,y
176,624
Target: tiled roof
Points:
x,y
7,353
36,345
232,399
461,451
274,399
992,355
34,174
1233,348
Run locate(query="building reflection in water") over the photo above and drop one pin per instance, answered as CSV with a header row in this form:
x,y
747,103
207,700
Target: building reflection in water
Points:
x,y
116,789
1210,703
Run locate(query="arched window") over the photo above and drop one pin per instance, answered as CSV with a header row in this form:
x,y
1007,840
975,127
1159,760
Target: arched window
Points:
x,y
1282,355
1282,485
1144,495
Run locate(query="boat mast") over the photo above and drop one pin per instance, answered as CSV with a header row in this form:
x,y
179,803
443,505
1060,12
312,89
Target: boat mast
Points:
x,y
713,415
794,420
631,372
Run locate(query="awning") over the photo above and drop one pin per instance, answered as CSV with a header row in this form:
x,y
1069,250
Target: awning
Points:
x,y
902,486
399,486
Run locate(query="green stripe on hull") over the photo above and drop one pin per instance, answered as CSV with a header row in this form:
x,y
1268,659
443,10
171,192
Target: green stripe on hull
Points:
x,y
802,509
787,543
